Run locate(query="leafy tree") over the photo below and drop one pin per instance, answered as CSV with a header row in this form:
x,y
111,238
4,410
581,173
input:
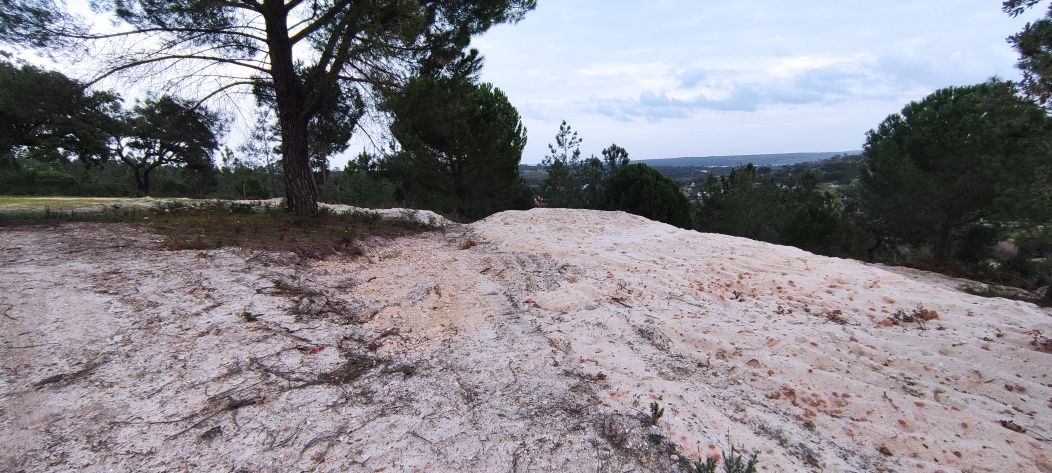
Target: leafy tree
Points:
x,y
563,186
742,203
330,130
237,175
1034,45
642,190
615,158
815,217
591,177
48,116
361,184
307,51
465,142
165,131
760,204
261,146
329,133
958,156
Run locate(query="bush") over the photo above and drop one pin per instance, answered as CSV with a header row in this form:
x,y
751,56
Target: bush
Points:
x,y
750,202
362,189
642,190
976,242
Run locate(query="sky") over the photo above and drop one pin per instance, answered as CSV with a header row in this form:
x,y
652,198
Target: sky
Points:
x,y
667,78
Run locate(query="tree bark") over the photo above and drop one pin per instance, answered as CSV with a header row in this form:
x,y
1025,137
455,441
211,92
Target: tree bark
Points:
x,y
142,182
871,252
146,182
301,193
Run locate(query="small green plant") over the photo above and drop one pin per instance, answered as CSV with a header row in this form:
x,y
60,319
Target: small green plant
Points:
x,y
656,411
709,466
734,461
348,234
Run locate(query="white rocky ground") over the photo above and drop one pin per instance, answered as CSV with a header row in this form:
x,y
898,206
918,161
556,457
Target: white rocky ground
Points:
x,y
530,341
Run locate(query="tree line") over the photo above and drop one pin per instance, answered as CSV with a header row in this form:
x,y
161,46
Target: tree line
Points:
x,y
457,146
316,63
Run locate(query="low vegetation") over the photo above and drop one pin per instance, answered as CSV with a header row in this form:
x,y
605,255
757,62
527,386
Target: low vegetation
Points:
x,y
651,419
201,226
989,290
919,316
734,461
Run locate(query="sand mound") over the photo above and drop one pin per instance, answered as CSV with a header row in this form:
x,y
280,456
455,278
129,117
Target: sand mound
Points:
x,y
530,341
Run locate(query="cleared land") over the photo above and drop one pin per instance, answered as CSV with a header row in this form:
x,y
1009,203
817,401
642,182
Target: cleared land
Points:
x,y
530,341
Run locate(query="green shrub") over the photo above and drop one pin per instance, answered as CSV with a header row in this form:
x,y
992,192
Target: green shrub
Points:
x,y
642,190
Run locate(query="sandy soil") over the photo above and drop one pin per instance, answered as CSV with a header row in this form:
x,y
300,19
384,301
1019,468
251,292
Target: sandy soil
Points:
x,y
530,341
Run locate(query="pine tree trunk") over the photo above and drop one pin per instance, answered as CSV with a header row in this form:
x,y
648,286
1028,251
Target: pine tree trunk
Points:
x,y
142,182
301,193
942,244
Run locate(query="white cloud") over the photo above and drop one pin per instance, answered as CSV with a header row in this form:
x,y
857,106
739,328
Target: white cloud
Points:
x,y
668,68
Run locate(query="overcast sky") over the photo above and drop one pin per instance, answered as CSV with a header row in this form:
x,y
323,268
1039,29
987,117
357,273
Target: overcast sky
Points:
x,y
668,78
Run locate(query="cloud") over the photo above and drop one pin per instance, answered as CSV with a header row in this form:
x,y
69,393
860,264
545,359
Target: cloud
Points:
x,y
790,81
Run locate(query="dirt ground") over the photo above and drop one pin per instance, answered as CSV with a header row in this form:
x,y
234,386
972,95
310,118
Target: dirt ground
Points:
x,y
530,341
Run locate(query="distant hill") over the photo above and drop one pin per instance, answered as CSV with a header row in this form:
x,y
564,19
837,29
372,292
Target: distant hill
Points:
x,y
738,160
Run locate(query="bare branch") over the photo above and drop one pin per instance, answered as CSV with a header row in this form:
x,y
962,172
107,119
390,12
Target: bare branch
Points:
x,y
173,57
219,91
322,20
101,36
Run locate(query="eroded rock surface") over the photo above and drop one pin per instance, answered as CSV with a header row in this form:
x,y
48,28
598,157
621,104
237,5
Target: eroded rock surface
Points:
x,y
530,341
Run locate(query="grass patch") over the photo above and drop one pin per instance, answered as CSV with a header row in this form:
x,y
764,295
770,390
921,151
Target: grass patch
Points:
x,y
48,215
57,203
216,224
273,230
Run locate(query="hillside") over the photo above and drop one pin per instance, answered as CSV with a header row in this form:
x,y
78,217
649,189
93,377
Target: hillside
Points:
x,y
529,341
781,159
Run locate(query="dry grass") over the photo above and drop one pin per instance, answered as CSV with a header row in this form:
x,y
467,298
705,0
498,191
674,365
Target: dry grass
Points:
x,y
1041,343
323,235
920,316
8,202
216,224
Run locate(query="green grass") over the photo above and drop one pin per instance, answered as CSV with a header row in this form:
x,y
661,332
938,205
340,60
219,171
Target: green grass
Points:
x,y
58,203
